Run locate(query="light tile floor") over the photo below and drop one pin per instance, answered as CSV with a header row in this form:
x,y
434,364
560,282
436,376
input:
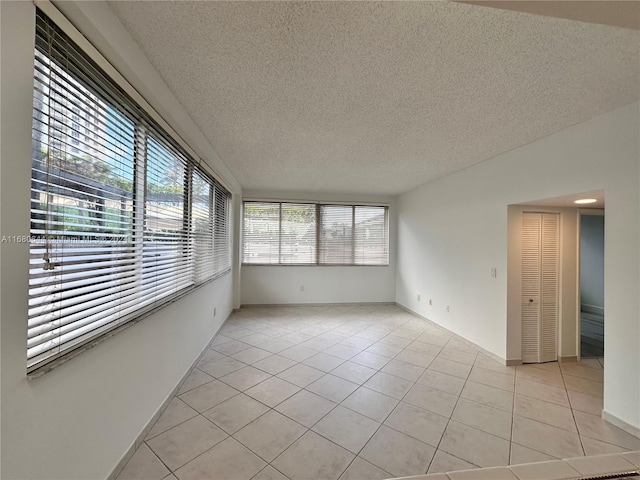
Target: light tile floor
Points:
x,y
365,393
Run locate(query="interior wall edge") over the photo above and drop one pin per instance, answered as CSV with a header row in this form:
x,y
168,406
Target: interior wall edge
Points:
x,y
494,356
620,423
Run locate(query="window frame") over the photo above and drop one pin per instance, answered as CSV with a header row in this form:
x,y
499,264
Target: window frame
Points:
x,y
318,233
280,232
117,97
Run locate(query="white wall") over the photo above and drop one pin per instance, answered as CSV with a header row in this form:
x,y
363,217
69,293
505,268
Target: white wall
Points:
x,y
263,285
452,231
78,420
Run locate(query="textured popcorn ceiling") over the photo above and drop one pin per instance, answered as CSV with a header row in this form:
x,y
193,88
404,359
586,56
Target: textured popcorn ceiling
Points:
x,y
377,97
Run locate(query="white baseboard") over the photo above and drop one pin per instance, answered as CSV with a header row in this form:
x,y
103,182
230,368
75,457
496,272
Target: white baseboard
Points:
x,y
140,438
497,358
343,304
567,358
627,427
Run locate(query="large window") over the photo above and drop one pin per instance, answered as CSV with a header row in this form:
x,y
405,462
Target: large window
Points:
x,y
123,220
279,233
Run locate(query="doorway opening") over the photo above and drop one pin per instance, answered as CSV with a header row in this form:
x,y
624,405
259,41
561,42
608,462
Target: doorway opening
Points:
x,y
591,283
570,299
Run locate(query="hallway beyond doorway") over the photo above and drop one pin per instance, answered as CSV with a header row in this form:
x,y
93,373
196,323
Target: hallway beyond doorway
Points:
x,y
591,334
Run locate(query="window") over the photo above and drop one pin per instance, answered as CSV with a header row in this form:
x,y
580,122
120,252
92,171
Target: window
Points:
x,y
278,233
353,235
118,227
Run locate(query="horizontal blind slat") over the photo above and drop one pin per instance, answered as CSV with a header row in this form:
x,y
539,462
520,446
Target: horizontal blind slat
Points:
x,y
106,244
281,233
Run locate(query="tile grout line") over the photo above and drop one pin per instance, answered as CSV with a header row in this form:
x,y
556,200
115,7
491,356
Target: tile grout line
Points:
x,y
513,417
572,412
357,455
575,422
320,419
400,400
340,404
309,323
337,404
284,400
449,419
379,370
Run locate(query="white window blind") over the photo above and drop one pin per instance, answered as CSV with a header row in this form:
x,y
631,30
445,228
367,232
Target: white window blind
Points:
x,y
261,233
222,231
297,233
353,235
336,234
279,233
166,263
122,219
371,235
202,226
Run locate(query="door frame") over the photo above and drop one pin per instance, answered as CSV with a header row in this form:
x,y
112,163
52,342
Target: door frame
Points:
x,y
568,295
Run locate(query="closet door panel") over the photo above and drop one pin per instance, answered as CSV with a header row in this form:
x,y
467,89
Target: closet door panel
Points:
x,y
540,281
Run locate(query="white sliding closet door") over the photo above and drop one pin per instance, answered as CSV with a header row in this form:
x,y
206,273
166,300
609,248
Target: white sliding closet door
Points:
x,y
540,280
